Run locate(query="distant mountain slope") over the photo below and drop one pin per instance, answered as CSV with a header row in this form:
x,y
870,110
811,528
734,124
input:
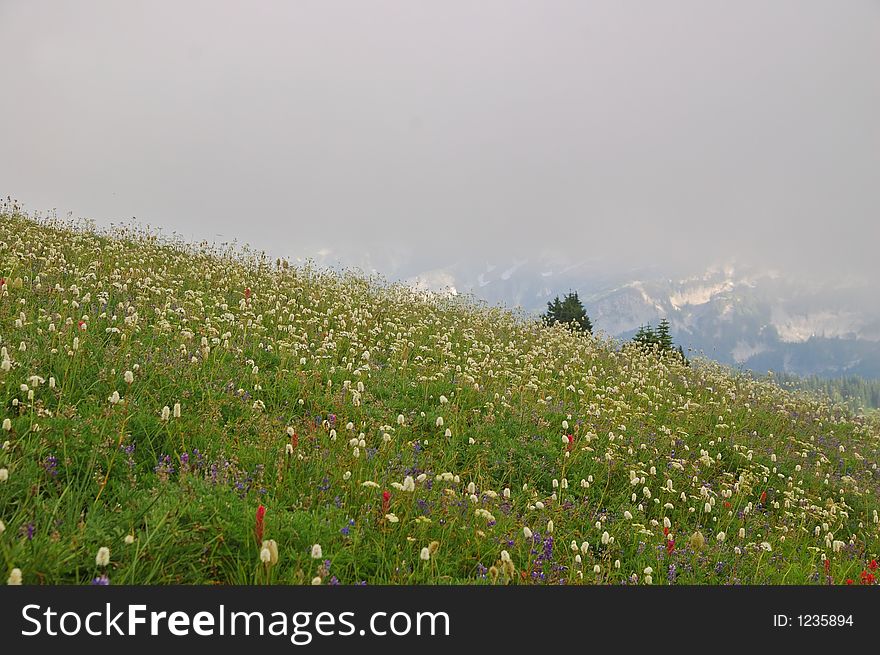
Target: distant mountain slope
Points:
x,y
757,319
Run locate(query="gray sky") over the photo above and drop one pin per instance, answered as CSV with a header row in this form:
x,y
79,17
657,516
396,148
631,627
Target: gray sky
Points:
x,y
639,132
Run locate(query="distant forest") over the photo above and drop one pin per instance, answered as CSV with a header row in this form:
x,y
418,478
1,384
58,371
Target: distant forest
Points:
x,y
856,392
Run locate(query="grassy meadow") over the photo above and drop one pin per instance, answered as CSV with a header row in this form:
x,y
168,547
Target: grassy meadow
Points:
x,y
201,414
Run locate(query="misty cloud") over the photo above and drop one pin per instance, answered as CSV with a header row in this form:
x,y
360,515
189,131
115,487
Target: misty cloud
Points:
x,y
639,133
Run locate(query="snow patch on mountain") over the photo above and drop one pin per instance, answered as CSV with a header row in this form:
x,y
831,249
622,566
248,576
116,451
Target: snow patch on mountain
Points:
x,y
648,300
743,350
797,328
699,295
438,282
506,275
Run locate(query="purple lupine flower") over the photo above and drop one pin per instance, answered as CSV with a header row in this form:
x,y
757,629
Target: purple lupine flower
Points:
x,y
50,464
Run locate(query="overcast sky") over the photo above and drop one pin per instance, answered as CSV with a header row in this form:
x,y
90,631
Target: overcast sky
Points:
x,y
638,132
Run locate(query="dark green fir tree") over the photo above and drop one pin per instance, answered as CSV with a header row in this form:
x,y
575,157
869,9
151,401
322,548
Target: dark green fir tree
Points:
x,y
570,310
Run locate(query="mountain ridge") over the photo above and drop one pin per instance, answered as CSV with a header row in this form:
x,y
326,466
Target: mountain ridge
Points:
x,y
743,316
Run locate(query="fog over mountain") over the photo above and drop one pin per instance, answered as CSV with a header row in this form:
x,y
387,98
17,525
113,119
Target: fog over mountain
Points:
x,y
640,132
758,319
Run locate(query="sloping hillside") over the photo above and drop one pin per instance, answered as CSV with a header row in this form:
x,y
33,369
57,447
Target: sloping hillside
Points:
x,y
155,395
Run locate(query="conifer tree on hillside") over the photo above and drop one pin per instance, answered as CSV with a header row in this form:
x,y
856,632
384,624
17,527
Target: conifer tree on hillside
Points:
x,y
645,337
659,340
569,310
554,311
664,339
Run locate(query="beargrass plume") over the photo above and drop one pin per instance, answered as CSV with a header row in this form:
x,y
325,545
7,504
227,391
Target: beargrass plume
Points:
x,y
182,413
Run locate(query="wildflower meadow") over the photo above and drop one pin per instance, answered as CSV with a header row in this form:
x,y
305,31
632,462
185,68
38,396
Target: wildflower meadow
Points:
x,y
178,413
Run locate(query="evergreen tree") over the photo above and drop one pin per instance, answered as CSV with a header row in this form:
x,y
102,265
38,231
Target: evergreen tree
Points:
x,y
659,340
554,311
570,310
664,339
645,337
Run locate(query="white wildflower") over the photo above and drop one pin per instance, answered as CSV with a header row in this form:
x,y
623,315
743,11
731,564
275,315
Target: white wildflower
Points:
x,y
103,556
14,578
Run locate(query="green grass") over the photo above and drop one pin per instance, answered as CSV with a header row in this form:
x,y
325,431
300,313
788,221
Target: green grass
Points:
x,y
252,349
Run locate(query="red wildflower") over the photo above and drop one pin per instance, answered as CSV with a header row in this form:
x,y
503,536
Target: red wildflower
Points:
x,y
726,504
570,438
670,546
867,578
827,565
247,293
665,530
763,497
873,565
258,528
294,440
849,581
82,325
386,501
